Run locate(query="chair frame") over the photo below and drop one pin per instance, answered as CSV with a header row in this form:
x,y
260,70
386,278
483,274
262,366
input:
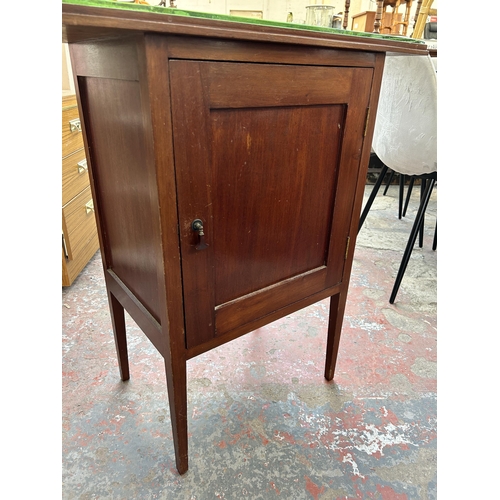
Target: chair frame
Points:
x,y
428,181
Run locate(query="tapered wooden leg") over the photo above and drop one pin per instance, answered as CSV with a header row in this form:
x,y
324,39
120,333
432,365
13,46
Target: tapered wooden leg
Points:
x,y
119,330
175,367
337,306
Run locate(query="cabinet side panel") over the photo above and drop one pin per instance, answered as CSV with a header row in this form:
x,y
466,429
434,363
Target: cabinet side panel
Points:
x,y
124,183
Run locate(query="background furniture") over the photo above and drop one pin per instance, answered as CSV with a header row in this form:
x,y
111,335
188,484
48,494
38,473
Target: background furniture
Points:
x,y
381,20
405,136
430,31
201,242
421,15
365,21
79,232
396,26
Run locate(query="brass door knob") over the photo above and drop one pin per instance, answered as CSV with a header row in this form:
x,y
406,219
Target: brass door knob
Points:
x,y
197,226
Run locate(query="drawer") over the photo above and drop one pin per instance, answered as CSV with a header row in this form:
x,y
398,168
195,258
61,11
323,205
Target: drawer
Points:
x,y
72,137
79,225
72,268
75,176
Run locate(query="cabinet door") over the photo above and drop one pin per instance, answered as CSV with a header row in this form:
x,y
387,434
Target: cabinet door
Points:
x,y
267,157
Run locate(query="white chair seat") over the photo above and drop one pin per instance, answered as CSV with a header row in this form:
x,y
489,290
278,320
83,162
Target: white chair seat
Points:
x,y
405,136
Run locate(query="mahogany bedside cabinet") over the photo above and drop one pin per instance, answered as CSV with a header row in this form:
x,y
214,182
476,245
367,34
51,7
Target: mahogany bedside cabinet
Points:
x,y
227,161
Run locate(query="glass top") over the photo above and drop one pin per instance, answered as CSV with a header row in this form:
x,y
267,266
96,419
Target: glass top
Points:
x,y
156,9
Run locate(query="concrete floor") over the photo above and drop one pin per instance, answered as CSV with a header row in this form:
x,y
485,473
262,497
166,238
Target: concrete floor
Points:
x,y
263,422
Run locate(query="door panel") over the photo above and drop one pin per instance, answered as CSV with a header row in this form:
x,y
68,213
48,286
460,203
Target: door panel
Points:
x,y
257,152
272,215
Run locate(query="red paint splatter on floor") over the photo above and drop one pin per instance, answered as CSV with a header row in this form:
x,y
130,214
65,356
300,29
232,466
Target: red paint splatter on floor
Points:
x,y
273,486
389,494
389,416
313,488
284,436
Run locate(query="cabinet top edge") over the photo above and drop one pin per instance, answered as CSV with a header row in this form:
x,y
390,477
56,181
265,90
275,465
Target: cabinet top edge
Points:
x,y
84,23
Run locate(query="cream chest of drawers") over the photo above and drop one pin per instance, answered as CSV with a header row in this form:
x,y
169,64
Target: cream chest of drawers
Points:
x,y
79,232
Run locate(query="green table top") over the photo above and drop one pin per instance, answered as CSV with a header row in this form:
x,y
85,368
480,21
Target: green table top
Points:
x,y
127,5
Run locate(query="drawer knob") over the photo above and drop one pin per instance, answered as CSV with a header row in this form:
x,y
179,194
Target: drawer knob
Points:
x,y
89,206
197,226
75,125
82,166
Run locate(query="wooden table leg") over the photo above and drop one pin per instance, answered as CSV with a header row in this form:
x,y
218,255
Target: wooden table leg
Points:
x,y
346,13
175,368
417,12
378,16
337,306
119,330
406,21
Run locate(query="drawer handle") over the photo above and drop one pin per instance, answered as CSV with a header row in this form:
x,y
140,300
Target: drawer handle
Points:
x,y
65,248
82,166
75,125
89,206
197,226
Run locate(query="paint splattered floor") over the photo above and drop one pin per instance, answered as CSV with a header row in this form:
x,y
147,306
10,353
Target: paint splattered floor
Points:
x,y
263,422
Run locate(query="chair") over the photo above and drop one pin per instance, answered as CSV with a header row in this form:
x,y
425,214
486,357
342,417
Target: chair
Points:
x,y
395,26
430,31
405,136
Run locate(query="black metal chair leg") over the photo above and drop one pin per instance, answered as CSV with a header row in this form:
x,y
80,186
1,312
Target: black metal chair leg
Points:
x,y
401,194
408,194
413,236
374,192
421,231
435,242
391,176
